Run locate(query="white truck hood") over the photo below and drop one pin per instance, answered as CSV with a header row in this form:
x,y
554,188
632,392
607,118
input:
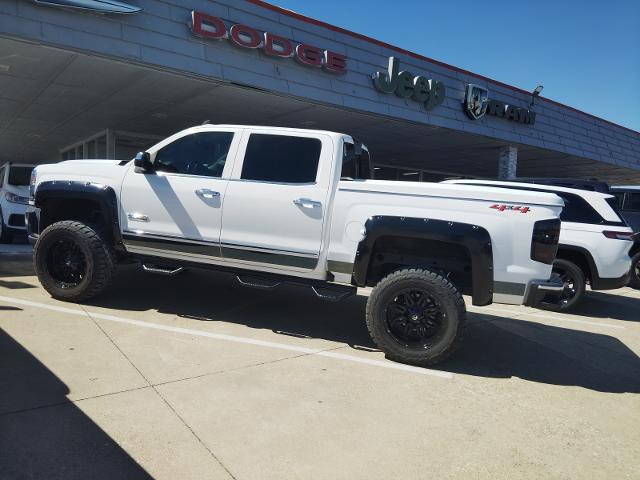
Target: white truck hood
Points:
x,y
470,192
106,172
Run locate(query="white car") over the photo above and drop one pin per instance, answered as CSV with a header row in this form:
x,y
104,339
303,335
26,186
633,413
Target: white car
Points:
x,y
594,240
275,205
14,198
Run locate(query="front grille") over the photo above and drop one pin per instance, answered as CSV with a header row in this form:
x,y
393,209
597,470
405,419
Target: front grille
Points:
x,y
16,220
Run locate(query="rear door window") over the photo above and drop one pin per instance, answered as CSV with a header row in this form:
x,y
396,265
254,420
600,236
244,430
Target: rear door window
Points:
x,y
281,159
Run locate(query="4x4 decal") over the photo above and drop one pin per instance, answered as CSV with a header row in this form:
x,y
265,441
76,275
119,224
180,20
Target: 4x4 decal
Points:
x,y
517,208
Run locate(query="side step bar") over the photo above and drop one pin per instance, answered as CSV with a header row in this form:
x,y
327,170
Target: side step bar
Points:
x,y
257,282
161,270
331,293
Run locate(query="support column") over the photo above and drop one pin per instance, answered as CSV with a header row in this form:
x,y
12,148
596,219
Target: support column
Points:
x,y
508,163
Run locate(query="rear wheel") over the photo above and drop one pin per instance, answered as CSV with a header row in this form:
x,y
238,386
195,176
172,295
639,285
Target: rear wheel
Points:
x,y
5,235
416,316
574,286
72,261
635,272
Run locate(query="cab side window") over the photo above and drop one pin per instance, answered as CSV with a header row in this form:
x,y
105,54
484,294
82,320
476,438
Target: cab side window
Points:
x,y
634,201
281,159
203,154
3,170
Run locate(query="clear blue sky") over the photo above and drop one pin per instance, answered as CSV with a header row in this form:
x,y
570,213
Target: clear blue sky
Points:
x,y
585,53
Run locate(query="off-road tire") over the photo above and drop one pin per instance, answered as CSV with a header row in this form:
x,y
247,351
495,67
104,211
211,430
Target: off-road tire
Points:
x,y
97,256
435,286
561,266
634,281
5,235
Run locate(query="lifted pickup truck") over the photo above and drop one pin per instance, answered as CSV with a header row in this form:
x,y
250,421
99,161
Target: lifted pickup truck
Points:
x,y
274,205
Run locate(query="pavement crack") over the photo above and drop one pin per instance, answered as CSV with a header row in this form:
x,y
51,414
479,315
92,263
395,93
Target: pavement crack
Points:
x,y
166,402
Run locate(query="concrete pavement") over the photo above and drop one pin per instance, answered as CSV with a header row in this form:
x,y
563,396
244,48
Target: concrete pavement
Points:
x,y
196,377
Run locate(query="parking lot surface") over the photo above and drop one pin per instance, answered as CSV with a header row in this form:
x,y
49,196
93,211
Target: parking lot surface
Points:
x,y
194,376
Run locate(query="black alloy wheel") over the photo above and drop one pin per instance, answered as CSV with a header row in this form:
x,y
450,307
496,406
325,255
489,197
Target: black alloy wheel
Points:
x,y
634,282
575,286
415,319
66,263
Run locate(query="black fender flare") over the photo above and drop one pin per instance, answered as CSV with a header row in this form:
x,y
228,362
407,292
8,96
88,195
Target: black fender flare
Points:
x,y
103,195
475,239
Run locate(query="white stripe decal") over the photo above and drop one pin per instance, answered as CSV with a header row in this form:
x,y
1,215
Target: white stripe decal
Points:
x,y
231,338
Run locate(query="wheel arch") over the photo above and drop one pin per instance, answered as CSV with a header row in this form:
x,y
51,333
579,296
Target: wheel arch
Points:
x,y
82,201
581,257
452,240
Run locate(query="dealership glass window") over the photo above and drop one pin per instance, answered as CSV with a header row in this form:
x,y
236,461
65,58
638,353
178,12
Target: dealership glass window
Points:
x,y
634,201
281,159
619,199
203,154
126,146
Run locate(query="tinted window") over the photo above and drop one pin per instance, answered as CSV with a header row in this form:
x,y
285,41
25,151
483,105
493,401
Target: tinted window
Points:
x,y
634,201
577,210
19,176
198,154
355,165
2,170
348,162
277,158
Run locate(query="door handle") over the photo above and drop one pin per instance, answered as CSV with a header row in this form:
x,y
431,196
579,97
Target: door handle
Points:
x,y
206,193
307,203
137,217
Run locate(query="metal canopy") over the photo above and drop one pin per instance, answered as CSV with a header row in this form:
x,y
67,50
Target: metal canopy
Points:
x,y
51,98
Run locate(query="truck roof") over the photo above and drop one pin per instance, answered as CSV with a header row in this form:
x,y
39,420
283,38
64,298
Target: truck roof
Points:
x,y
209,126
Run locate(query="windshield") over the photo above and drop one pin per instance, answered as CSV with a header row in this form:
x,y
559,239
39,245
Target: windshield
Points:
x,y
19,176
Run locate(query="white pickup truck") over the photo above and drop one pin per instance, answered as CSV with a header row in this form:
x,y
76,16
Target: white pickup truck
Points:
x,y
274,205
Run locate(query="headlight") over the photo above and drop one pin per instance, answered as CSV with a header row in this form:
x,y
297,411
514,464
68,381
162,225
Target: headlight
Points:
x,y
32,186
13,198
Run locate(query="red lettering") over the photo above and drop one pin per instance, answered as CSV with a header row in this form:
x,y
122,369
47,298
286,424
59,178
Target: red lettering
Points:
x,y
245,36
309,55
277,46
334,62
207,26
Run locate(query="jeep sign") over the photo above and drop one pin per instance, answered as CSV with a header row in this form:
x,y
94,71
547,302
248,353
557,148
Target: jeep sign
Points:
x,y
207,26
421,89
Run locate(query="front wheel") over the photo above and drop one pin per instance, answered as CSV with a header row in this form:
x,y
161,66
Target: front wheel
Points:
x,y
416,316
575,286
635,272
72,261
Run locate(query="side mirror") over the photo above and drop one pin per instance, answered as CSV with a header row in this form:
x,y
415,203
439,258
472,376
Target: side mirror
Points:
x,y
143,163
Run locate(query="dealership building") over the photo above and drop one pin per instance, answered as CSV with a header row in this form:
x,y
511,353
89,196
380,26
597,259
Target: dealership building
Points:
x,y
105,79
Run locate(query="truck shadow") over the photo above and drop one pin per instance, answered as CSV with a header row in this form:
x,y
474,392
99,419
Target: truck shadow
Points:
x,y
45,436
609,305
496,347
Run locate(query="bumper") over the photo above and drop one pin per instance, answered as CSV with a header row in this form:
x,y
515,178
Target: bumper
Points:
x,y
539,289
599,283
32,218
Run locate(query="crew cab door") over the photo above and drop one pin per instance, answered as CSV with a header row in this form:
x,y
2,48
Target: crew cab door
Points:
x,y
176,210
276,200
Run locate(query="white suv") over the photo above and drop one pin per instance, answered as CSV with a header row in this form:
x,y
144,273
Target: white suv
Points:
x,y
14,198
594,240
